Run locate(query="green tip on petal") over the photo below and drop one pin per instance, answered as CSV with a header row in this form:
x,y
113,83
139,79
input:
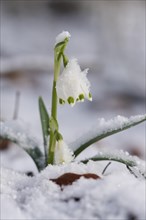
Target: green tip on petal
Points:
x,y
71,100
90,97
61,101
81,97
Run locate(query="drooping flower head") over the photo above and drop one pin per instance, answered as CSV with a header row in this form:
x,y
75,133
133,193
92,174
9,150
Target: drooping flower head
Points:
x,y
72,85
62,153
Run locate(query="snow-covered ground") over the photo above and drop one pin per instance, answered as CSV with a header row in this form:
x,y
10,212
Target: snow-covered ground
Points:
x,y
112,46
117,195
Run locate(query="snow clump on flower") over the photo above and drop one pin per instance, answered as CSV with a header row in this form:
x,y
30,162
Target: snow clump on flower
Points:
x,y
62,153
62,36
72,85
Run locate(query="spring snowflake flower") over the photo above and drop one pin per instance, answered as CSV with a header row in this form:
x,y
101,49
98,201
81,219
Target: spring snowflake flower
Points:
x,y
62,36
72,85
62,153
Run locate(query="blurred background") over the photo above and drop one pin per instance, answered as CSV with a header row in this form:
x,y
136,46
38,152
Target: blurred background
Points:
x,y
108,37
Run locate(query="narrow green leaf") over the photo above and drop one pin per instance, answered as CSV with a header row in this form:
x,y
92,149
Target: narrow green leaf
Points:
x,y
12,132
44,116
127,162
108,130
37,157
133,164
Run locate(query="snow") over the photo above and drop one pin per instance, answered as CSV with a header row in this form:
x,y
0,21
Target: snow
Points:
x,y
119,122
62,36
111,75
114,196
15,130
135,164
102,126
17,159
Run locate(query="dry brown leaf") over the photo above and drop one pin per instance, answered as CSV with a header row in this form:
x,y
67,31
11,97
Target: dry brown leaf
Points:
x,y
69,178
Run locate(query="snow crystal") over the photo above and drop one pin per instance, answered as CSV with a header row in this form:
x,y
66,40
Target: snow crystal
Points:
x,y
61,37
114,196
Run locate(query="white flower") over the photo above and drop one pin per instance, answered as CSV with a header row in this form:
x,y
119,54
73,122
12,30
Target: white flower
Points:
x,y
62,36
62,153
73,85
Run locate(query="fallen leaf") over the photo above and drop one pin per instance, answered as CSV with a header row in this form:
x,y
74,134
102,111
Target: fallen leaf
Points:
x,y
69,178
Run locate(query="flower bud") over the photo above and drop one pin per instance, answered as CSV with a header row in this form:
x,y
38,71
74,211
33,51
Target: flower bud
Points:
x,y
62,153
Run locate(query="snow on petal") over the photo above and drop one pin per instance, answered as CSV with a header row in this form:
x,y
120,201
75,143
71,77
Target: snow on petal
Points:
x,y
73,85
62,153
62,36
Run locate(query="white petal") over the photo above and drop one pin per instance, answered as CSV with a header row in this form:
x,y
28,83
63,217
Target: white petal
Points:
x,y
73,82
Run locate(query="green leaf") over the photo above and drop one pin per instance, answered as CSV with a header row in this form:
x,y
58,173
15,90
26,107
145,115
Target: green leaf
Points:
x,y
12,132
37,156
44,116
127,161
108,130
133,164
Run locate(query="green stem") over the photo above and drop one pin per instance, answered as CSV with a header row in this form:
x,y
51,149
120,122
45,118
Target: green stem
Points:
x,y
58,54
54,101
52,141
